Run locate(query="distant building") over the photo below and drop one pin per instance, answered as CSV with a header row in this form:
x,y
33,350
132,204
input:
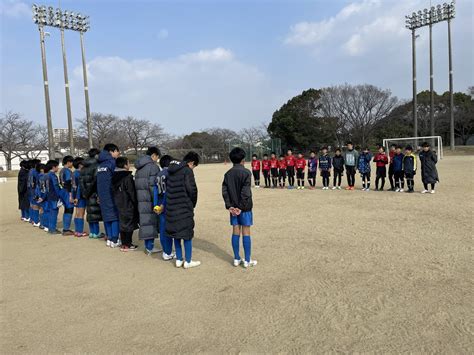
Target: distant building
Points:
x,y
61,135
42,155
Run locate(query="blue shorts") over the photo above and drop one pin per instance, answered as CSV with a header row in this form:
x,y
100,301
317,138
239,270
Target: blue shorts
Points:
x,y
81,203
243,219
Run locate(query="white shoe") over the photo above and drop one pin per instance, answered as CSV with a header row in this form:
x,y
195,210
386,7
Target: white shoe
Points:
x,y
250,263
119,243
237,262
108,243
362,189
46,229
191,264
367,189
432,191
153,251
114,245
36,224
397,190
424,191
339,188
179,263
169,257
401,190
334,188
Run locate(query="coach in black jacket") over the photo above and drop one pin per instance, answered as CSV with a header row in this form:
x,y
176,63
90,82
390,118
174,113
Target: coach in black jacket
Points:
x,y
236,188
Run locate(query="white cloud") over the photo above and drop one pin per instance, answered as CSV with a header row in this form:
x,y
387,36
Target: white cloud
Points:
x,y
14,8
189,92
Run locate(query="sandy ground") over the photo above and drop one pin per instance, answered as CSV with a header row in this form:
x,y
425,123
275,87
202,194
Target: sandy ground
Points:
x,y
338,271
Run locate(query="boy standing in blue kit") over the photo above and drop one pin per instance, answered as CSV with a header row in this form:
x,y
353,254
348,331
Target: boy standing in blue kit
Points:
x,y
65,179
159,203
108,208
53,196
237,196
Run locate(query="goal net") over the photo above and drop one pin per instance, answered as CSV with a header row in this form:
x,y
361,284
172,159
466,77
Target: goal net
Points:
x,y
436,143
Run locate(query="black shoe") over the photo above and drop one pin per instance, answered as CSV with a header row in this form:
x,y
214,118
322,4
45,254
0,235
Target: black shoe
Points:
x,y
56,232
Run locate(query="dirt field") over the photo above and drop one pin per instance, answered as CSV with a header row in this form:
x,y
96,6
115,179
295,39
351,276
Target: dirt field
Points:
x,y
338,271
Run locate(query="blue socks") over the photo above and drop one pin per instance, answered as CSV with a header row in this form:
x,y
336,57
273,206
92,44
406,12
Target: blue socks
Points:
x,y
79,225
94,228
149,244
188,249
236,246
247,241
67,218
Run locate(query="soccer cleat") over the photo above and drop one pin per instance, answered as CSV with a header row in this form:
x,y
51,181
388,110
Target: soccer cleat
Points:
x,y
367,189
237,262
126,248
397,190
179,263
46,229
401,190
424,191
250,263
339,188
27,220
169,257
114,245
68,232
432,191
334,187
191,264
36,224
107,243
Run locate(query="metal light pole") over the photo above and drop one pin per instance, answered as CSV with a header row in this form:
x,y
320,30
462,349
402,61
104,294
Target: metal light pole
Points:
x,y
445,12
451,99
68,97
49,122
86,91
415,113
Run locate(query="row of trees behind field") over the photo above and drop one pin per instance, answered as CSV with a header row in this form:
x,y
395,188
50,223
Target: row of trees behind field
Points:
x,y
331,116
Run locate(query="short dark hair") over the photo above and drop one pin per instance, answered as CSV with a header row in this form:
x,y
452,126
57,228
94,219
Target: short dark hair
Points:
x,y
338,150
398,147
93,152
408,147
237,154
24,164
165,161
282,156
46,168
192,157
51,164
120,162
254,155
39,167
68,159
289,150
265,155
153,150
366,148
349,142
273,153
425,144
382,147
77,161
33,162
324,148
393,145
110,147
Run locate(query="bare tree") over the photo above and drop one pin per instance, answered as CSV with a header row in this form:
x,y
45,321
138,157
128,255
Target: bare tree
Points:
x,y
141,133
20,138
105,129
254,135
359,108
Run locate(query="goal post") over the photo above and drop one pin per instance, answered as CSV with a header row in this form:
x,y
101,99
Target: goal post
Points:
x,y
436,143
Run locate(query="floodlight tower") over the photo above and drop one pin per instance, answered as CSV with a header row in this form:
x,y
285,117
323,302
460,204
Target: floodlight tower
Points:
x,y
428,17
82,27
40,18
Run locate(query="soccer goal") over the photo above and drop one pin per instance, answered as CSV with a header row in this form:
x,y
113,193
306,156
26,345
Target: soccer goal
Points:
x,y
436,143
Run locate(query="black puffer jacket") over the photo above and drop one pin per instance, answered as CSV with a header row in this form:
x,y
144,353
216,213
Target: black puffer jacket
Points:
x,y
125,198
181,198
23,201
429,173
88,187
236,189
145,178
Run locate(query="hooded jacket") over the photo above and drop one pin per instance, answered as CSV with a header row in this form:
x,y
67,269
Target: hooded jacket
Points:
x,y
181,198
105,172
409,164
88,189
145,178
236,188
23,202
364,163
125,198
429,173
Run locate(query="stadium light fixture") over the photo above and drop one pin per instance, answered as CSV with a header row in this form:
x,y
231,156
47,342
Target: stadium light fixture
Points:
x,y
429,17
64,20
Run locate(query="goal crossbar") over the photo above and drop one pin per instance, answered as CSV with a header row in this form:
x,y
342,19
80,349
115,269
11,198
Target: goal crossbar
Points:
x,y
425,138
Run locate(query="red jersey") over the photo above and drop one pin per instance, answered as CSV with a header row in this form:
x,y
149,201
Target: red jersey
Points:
x,y
256,165
391,155
290,160
274,163
282,164
381,159
265,164
300,163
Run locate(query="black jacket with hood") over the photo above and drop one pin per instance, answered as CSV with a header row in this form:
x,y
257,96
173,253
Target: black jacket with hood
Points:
x,y
181,198
125,198
88,188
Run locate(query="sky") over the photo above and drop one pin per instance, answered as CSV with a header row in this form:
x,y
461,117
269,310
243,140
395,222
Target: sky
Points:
x,y
194,64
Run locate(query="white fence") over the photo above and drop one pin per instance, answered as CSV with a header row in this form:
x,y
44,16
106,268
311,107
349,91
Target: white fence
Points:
x,y
42,155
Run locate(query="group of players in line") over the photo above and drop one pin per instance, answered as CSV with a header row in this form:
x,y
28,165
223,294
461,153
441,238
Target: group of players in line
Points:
x,y
401,166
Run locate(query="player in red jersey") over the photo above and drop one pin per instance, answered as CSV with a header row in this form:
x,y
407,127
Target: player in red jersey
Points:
x,y
274,169
266,170
300,165
282,171
256,166
290,168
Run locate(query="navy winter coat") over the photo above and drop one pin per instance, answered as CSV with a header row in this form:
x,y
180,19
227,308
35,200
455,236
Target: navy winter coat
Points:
x,y
23,201
397,162
105,172
125,198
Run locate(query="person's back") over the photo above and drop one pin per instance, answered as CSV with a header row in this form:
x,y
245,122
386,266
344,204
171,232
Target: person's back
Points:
x,y
181,198
429,172
145,178
22,188
88,191
237,196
